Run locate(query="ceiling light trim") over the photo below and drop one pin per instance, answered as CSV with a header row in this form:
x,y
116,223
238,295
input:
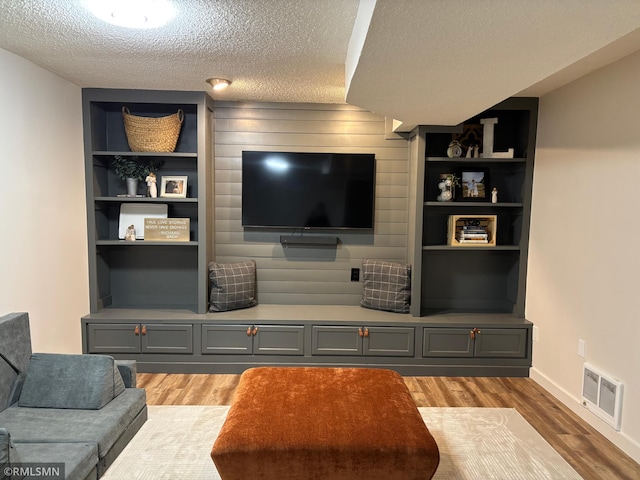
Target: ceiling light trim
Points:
x,y
218,84
140,14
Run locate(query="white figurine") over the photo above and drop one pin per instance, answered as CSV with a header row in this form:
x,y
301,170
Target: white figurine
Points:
x,y
152,188
476,151
470,151
494,195
130,235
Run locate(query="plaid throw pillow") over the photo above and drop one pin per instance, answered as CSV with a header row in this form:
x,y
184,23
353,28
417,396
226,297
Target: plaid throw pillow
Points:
x,y
387,286
233,286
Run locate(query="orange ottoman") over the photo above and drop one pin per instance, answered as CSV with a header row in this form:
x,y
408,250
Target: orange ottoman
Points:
x,y
305,423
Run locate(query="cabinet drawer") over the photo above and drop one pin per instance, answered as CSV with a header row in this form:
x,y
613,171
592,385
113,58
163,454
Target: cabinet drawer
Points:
x,y
368,341
226,340
486,343
278,340
163,338
139,338
252,339
328,340
113,338
447,342
501,343
389,341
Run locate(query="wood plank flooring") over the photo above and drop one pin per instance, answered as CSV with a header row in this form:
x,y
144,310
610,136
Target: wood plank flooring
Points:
x,y
587,451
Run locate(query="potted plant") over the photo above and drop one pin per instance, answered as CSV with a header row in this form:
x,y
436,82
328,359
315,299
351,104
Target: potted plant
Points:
x,y
132,170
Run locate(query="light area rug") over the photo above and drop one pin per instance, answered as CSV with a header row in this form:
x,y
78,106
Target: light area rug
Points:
x,y
474,443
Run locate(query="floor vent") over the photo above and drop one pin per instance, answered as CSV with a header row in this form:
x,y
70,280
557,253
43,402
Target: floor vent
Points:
x,y
602,395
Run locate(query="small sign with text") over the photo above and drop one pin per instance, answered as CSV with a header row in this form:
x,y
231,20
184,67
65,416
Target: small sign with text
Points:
x,y
166,229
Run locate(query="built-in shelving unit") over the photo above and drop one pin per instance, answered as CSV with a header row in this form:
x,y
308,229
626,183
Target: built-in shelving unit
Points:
x,y
146,274
479,279
149,299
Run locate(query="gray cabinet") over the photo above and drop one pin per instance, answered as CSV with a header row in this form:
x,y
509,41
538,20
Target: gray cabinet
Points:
x,y
475,342
362,340
111,338
231,342
252,339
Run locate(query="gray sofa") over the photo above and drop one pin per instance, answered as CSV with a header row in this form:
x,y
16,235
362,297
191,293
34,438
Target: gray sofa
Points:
x,y
79,410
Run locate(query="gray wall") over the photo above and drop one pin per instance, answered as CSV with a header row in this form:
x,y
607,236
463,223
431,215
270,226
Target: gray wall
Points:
x,y
307,275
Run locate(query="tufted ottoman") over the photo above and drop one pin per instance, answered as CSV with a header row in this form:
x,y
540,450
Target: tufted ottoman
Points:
x,y
324,424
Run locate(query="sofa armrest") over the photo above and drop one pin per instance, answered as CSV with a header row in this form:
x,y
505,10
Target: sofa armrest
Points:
x,y
8,454
128,370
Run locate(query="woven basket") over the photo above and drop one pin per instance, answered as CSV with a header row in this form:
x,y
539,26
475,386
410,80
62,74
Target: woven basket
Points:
x,y
147,134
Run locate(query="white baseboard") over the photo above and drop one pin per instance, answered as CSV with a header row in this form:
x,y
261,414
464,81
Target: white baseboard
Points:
x,y
619,439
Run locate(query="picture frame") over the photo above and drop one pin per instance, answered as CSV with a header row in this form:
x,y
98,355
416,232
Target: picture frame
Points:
x,y
475,185
173,186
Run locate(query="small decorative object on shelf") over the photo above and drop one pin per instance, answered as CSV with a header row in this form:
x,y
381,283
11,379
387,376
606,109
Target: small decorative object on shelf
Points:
x,y
454,150
130,236
472,230
174,187
487,140
470,151
494,195
447,186
152,188
132,170
167,229
474,184
152,134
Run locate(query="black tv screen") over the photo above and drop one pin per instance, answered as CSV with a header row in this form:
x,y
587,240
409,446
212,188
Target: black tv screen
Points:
x,y
308,190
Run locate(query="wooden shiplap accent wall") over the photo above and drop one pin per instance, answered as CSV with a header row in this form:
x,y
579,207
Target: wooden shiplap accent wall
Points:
x,y
307,275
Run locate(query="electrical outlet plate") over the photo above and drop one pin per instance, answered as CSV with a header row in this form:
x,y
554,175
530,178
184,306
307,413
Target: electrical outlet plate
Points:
x,y
355,274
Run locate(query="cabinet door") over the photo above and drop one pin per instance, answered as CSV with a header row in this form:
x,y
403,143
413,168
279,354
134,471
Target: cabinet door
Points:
x,y
113,338
278,340
163,338
227,339
389,341
447,342
328,340
501,342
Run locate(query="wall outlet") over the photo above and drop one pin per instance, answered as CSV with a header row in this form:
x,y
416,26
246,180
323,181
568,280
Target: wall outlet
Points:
x,y
536,334
582,346
355,274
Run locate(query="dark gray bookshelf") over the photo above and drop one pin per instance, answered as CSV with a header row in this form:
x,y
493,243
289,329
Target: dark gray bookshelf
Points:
x,y
477,280
146,274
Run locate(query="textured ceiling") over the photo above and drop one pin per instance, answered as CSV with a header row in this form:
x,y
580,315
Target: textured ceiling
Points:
x,y
418,61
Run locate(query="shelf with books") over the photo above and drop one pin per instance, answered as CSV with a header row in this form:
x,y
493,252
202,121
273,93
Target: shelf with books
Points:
x,y
472,230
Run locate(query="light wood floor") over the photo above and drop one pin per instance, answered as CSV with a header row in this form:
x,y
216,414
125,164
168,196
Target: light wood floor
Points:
x,y
588,452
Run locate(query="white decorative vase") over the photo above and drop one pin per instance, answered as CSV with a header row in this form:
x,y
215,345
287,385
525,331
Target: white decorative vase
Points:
x,y
132,187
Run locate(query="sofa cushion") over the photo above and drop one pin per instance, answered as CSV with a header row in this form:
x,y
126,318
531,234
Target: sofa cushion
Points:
x,y
387,286
233,286
70,381
79,459
55,425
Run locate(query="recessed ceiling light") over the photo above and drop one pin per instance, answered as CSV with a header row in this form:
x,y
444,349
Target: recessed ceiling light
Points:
x,y
218,83
132,13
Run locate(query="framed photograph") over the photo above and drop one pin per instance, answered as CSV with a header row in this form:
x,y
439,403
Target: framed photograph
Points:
x,y
475,185
173,187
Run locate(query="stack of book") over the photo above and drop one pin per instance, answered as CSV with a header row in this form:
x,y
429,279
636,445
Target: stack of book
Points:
x,y
473,234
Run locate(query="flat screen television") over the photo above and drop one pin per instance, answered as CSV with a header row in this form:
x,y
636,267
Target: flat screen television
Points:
x,y
308,190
